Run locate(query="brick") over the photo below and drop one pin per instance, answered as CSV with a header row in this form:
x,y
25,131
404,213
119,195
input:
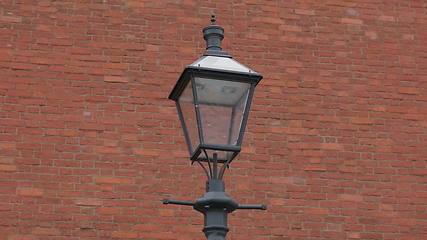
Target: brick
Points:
x,y
348,169
146,152
332,146
291,28
411,91
371,34
31,192
11,19
258,36
352,21
387,18
295,39
352,198
135,4
108,211
45,231
88,202
304,12
317,211
353,235
116,79
361,121
125,235
113,180
281,180
6,161
315,167
270,20
134,47
116,66
22,237
92,126
108,150
7,168
23,66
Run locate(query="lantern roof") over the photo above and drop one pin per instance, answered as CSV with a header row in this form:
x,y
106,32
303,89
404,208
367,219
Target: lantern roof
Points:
x,y
221,64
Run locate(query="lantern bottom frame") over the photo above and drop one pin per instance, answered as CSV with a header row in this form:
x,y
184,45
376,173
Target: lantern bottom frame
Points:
x,y
201,148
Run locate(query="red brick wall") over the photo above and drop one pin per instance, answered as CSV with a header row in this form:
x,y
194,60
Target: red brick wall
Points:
x,y
336,143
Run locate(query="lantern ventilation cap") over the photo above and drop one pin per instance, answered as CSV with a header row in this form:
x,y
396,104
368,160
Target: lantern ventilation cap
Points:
x,y
213,34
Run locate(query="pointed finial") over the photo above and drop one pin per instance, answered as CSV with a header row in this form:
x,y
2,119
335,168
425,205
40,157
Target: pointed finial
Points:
x,y
213,20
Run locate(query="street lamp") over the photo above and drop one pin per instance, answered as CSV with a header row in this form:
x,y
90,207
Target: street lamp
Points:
x,y
213,96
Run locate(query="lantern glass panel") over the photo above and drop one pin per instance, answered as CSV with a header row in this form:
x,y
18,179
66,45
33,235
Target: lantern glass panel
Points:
x,y
238,112
188,115
222,106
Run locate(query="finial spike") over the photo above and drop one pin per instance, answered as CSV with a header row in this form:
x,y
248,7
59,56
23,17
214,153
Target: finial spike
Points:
x,y
213,20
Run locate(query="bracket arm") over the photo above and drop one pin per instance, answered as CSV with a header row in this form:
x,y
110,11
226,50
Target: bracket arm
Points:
x,y
177,202
252,206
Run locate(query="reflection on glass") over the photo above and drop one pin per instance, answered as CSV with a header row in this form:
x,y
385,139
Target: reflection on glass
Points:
x,y
222,105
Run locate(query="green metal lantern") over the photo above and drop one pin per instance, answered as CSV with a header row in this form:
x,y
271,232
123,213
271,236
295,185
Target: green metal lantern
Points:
x,y
213,96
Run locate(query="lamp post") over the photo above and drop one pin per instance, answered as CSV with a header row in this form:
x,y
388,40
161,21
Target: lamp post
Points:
x,y
213,97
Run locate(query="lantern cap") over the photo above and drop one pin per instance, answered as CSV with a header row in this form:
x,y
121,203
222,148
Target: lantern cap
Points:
x,y
213,34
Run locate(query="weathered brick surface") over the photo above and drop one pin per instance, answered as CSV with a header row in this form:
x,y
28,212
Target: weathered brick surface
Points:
x,y
336,144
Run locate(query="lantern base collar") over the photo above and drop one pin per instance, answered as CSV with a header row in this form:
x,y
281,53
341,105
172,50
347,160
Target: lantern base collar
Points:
x,y
215,206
